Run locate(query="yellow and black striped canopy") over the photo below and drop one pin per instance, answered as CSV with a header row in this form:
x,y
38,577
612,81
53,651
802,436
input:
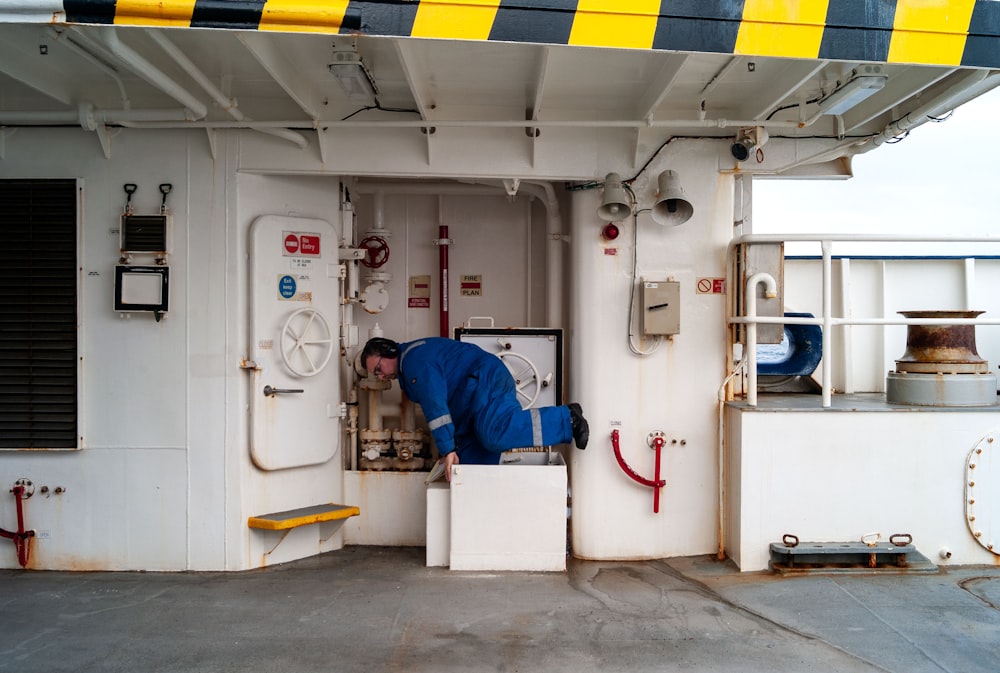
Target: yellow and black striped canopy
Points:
x,y
939,32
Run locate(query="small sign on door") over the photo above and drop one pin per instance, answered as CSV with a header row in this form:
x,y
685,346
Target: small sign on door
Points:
x,y
300,244
293,288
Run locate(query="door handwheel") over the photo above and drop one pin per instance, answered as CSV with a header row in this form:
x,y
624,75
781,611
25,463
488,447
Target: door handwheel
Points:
x,y
526,379
306,342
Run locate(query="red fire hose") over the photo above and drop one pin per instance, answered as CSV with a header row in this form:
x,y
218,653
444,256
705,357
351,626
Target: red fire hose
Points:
x,y
22,538
655,483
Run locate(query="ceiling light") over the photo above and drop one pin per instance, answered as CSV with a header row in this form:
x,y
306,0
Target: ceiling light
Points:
x,y
857,89
353,77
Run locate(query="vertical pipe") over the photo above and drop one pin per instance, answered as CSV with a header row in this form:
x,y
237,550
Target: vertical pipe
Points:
x,y
352,427
379,217
407,414
770,291
827,246
658,444
847,338
883,289
374,410
443,263
752,349
970,283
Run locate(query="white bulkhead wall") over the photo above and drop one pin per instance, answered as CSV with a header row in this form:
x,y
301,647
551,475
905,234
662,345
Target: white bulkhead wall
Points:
x,y
164,479
149,488
673,391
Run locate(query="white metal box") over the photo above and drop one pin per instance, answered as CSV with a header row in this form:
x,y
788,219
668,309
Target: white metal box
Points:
x,y
510,516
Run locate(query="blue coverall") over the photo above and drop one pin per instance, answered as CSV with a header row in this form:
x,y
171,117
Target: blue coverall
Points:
x,y
470,401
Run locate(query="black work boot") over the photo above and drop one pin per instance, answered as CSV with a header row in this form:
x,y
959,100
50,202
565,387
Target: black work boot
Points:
x,y
581,429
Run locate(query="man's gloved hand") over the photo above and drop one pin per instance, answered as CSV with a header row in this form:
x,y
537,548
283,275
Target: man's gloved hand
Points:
x,y
449,460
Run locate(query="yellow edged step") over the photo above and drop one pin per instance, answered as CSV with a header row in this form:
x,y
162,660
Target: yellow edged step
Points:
x,y
303,516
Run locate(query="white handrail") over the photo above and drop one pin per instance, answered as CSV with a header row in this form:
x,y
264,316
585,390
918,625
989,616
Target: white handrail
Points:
x,y
827,320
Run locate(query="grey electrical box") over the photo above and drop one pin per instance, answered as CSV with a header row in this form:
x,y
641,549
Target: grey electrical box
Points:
x,y
661,307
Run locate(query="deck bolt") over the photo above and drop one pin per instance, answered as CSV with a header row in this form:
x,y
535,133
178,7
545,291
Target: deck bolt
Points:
x,y
972,518
972,466
979,533
990,438
972,501
972,483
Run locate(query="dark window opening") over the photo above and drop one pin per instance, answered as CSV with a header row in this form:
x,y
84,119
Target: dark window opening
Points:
x,y
38,300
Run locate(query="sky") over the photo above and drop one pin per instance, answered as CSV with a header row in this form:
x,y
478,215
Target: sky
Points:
x,y
941,180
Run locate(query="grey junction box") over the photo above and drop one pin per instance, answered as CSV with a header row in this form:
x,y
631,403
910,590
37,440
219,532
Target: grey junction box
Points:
x,y
661,307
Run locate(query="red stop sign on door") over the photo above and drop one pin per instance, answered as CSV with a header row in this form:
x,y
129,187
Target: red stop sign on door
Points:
x,y
291,244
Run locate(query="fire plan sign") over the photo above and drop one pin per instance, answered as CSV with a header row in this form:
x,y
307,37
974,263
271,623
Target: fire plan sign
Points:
x,y
420,292
472,286
300,244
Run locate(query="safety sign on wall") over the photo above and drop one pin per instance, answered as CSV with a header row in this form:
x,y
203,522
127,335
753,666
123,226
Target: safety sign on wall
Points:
x,y
711,286
291,288
300,244
472,286
420,292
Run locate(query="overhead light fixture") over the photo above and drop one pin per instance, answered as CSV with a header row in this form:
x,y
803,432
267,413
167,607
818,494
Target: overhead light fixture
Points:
x,y
615,206
354,77
671,207
863,83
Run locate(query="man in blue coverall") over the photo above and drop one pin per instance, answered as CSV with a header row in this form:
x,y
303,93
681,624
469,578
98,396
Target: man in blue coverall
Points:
x,y
469,400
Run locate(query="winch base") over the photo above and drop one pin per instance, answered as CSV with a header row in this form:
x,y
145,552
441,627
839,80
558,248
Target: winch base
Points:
x,y
941,390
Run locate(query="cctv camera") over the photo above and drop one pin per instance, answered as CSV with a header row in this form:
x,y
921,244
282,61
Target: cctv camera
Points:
x,y
748,140
741,150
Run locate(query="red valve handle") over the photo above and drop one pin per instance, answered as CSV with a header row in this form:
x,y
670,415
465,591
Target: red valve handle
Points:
x,y
376,251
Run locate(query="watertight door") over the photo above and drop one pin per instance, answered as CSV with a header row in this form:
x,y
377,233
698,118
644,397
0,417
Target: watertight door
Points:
x,y
294,330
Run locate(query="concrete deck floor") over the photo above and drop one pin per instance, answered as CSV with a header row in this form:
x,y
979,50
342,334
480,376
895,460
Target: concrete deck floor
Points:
x,y
380,609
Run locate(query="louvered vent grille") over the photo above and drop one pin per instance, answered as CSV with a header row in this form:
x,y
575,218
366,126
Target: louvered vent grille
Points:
x,y
144,233
38,336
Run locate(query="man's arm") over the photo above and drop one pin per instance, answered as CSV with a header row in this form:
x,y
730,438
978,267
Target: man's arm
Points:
x,y
426,385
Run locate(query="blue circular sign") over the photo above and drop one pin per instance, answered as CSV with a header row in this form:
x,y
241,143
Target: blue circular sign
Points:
x,y
286,286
